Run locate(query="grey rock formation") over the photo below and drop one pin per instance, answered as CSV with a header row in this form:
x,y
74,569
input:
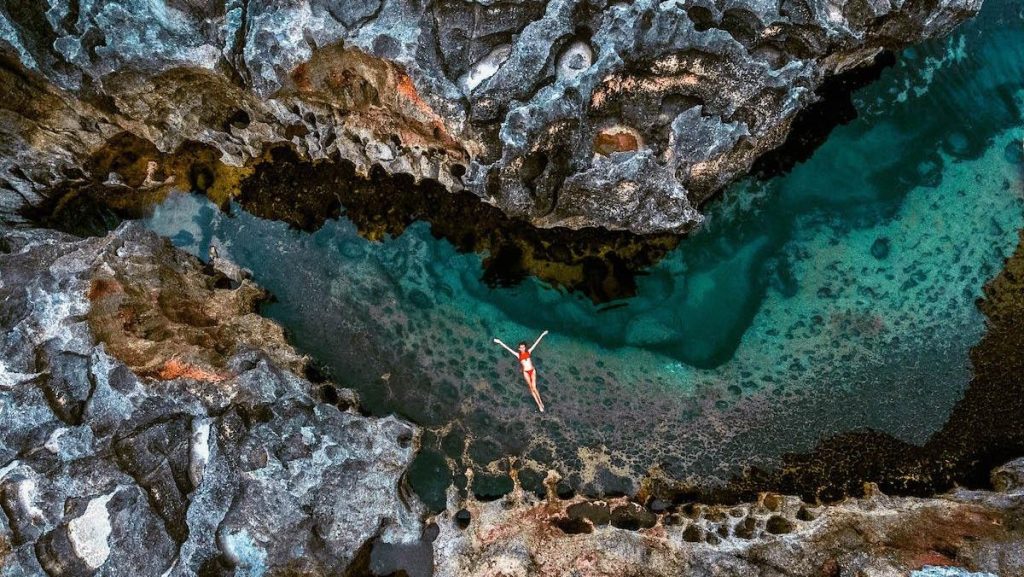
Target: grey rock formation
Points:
x,y
566,113
202,469
968,532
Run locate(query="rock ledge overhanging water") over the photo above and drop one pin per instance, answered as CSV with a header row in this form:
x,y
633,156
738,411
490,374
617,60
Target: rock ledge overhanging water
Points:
x,y
563,113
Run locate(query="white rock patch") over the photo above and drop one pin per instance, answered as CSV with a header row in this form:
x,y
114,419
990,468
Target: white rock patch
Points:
x,y
89,533
575,60
9,378
485,68
200,455
7,469
242,551
53,442
26,498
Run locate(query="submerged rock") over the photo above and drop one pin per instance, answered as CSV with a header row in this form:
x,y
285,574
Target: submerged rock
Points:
x,y
570,113
153,424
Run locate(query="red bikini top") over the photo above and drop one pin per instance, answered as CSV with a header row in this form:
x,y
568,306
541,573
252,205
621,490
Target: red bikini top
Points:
x,y
523,355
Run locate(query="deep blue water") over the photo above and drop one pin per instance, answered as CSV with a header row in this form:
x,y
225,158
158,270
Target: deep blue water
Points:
x,y
839,296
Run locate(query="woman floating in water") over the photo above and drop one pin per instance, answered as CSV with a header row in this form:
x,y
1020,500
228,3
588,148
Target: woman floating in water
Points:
x,y
529,371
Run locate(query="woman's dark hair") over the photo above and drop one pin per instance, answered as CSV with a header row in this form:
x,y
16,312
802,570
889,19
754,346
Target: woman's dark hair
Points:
x,y
523,344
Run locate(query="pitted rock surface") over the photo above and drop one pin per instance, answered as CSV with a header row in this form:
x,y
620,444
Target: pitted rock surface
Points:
x,y
877,534
108,468
571,113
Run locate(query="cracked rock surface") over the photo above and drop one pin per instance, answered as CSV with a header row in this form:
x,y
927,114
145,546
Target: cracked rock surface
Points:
x,y
173,437
967,532
569,113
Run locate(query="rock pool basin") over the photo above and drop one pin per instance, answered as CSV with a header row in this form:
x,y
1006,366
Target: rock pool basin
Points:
x,y
838,297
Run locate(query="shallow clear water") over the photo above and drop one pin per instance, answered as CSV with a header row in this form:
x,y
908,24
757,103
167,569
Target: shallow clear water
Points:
x,y
836,297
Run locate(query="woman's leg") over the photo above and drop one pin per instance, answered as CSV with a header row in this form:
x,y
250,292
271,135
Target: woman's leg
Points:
x,y
536,398
533,389
536,392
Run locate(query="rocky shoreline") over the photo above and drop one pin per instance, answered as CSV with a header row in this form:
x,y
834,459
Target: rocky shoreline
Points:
x,y
878,535
626,116
173,436
180,440
153,423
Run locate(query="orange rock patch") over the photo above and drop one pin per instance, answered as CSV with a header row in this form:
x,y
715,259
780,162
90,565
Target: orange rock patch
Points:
x,y
374,94
934,536
609,141
167,318
175,369
102,288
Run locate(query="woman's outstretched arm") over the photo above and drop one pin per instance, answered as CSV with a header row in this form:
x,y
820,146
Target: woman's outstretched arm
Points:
x,y
537,342
506,347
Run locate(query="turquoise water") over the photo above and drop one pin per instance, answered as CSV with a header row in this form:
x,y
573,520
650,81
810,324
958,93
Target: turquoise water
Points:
x,y
836,297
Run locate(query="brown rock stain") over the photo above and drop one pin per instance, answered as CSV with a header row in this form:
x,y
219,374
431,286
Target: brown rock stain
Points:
x,y
373,95
175,369
610,141
934,536
102,288
177,320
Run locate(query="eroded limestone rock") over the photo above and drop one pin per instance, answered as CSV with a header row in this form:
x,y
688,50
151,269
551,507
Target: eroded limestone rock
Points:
x,y
876,535
507,100
114,464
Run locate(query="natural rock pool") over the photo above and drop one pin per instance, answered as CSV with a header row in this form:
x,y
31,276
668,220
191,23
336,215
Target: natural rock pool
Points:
x,y
838,297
